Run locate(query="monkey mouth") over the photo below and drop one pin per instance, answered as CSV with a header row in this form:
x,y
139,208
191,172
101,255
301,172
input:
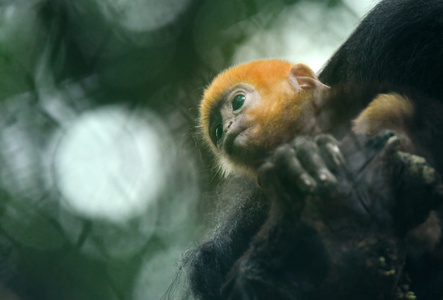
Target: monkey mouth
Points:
x,y
230,145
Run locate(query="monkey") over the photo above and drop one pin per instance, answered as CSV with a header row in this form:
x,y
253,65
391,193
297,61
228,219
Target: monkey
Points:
x,y
243,103
398,43
250,109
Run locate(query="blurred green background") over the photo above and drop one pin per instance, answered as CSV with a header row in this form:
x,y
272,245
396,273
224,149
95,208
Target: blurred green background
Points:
x,y
104,183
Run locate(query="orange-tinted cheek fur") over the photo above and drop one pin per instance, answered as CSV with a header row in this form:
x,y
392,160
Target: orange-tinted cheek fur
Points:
x,y
275,119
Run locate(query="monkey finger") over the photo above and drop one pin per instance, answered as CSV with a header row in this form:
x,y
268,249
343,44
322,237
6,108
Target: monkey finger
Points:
x,y
392,145
291,172
264,174
330,152
308,154
268,179
379,141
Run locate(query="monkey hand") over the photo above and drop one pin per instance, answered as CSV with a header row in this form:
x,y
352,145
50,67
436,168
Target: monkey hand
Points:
x,y
361,177
333,227
303,169
394,187
418,189
321,235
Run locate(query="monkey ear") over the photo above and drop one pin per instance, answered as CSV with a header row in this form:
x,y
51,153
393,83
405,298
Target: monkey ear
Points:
x,y
302,77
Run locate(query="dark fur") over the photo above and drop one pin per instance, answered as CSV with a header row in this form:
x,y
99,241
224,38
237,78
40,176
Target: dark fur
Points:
x,y
210,263
425,129
400,42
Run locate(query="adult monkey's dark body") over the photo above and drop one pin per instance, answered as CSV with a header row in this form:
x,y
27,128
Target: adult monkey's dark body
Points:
x,y
399,42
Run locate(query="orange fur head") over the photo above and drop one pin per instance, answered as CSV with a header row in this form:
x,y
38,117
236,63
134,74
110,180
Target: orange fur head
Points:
x,y
276,119
264,75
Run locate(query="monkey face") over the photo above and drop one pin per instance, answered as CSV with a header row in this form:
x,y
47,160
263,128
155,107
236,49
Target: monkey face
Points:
x,y
231,129
248,123
250,109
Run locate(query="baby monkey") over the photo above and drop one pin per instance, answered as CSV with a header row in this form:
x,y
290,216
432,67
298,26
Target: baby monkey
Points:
x,y
251,109
267,119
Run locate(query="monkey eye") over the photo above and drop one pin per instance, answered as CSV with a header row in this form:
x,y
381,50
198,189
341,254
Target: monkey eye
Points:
x,y
238,101
218,132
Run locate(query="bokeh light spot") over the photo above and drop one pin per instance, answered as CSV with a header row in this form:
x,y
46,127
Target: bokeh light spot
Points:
x,y
108,165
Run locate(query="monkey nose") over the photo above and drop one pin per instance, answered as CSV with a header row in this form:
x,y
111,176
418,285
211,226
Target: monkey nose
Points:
x,y
229,124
